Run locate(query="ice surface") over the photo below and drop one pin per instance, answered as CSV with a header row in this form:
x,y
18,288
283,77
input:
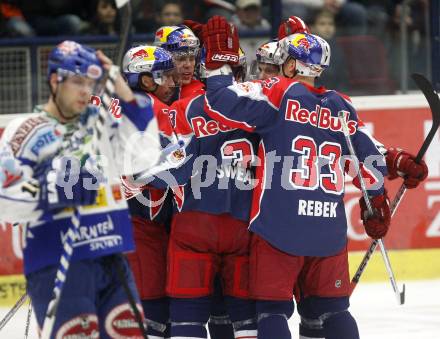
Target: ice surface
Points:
x,y
373,306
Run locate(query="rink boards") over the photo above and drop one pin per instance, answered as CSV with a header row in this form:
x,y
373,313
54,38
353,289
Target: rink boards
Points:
x,y
414,236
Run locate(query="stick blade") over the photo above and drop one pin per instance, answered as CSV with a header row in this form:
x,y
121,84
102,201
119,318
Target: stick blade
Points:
x,y
430,95
434,104
402,295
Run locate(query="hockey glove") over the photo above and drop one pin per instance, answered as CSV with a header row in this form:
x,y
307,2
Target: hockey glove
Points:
x,y
196,27
68,185
292,25
221,42
403,164
377,225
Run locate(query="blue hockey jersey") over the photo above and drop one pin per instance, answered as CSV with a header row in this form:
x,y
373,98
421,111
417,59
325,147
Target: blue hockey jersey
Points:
x,y
218,176
105,227
298,201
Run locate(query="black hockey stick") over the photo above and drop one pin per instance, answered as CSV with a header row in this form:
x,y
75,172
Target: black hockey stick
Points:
x,y
434,104
122,278
124,8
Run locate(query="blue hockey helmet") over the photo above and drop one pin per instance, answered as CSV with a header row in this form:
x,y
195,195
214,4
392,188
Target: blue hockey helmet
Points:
x,y
311,52
151,60
70,57
177,40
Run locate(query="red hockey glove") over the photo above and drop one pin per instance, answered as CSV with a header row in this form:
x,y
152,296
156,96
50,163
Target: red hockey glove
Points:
x,y
291,26
403,164
196,27
221,42
377,225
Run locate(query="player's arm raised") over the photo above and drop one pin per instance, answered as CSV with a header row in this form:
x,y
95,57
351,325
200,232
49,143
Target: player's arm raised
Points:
x,y
233,104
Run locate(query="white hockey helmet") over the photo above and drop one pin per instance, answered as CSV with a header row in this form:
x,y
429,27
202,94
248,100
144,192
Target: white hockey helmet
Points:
x,y
151,60
266,52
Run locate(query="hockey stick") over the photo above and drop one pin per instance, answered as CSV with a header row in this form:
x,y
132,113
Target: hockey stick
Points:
x,y
399,295
60,278
13,310
434,104
124,8
28,320
130,297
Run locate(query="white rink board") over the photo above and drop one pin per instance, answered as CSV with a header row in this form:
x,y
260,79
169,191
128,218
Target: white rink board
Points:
x,y
373,306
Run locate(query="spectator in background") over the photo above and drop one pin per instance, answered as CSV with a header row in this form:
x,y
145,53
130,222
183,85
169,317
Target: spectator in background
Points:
x,y
144,15
417,34
350,17
55,17
323,24
377,15
13,23
224,8
248,16
170,14
105,19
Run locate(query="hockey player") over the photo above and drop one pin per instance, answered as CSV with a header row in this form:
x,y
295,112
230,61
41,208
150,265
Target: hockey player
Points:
x,y
209,233
181,42
184,46
400,163
48,149
298,213
265,66
151,73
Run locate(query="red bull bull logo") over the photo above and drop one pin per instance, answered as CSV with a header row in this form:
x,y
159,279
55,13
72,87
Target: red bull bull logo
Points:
x,y
159,33
163,33
142,53
301,41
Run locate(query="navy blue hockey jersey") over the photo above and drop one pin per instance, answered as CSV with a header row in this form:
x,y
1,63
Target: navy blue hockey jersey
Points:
x,y
298,202
219,174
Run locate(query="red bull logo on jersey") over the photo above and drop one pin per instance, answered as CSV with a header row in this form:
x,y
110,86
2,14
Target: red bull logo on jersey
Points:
x,y
321,117
203,128
300,40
